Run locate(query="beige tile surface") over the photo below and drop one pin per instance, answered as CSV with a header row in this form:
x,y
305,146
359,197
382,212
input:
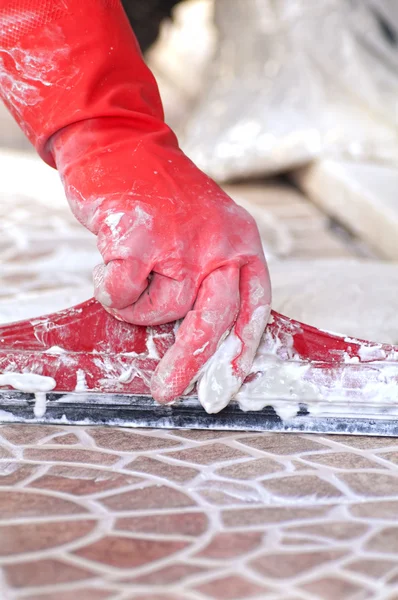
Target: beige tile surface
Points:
x,y
362,196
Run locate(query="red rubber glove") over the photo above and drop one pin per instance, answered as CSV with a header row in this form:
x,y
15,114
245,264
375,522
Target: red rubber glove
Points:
x,y
174,244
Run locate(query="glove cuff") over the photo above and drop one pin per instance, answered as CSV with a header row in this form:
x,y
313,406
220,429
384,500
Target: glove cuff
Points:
x,y
67,61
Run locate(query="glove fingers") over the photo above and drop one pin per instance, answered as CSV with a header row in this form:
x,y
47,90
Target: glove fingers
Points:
x,y
200,333
163,301
227,369
120,283
255,310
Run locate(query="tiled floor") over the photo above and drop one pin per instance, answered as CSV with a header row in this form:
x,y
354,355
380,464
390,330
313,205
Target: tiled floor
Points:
x,y
109,513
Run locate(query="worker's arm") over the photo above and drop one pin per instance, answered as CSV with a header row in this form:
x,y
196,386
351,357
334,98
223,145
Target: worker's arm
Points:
x,y
174,245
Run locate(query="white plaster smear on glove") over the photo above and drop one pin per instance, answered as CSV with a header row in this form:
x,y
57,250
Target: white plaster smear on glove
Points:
x,y
217,383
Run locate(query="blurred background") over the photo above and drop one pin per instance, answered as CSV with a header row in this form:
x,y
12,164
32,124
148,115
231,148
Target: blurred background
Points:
x,y
258,87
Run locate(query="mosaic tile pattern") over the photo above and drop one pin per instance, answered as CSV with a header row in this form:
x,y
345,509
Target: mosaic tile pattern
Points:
x,y
105,513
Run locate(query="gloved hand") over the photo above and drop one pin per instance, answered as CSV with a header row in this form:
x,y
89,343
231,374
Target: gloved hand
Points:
x,y
174,245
